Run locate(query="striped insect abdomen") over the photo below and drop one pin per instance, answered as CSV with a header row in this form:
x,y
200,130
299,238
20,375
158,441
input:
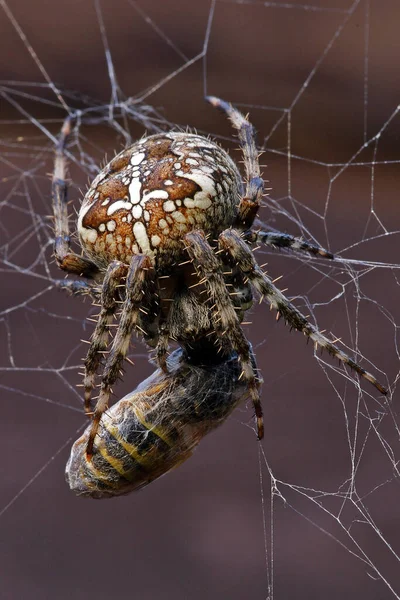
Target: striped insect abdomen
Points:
x,y
156,427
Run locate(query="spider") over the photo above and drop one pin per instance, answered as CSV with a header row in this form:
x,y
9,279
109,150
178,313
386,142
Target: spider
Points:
x,y
166,232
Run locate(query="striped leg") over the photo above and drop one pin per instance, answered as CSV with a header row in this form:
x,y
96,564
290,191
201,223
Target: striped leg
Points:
x,y
250,203
116,271
78,287
284,240
241,255
162,347
224,318
140,275
66,259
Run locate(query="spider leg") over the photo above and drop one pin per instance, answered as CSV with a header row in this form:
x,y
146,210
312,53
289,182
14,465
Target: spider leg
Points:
x,y
241,254
162,347
140,274
284,240
115,272
78,287
224,318
66,259
250,203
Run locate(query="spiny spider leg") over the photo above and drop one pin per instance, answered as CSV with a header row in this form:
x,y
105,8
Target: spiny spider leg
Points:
x,y
241,255
250,204
78,287
284,240
223,314
162,346
139,276
66,259
99,342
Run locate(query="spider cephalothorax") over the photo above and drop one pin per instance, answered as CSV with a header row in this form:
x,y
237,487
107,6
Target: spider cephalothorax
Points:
x,y
166,230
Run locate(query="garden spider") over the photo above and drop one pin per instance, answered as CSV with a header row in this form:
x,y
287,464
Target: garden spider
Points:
x,y
165,230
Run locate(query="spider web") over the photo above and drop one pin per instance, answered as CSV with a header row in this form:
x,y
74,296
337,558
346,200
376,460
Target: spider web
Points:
x,y
313,511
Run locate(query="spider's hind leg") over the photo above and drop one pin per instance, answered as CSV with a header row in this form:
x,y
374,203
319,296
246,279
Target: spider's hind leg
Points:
x,y
224,319
240,253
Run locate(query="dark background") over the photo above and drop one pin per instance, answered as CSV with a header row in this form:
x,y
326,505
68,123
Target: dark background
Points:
x,y
199,532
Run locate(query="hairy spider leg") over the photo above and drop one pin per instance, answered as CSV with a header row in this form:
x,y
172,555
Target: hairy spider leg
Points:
x,y
66,259
255,186
287,241
139,278
163,345
116,271
250,203
242,256
223,315
78,287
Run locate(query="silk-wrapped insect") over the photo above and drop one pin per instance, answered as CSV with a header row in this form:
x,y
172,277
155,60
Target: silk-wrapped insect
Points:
x,y
157,426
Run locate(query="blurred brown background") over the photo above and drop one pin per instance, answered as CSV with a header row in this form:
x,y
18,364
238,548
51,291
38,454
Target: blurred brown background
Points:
x,y
199,532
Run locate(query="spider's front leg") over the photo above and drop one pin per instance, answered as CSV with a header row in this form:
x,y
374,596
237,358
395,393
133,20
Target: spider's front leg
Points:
x,y
115,273
250,203
239,252
139,283
223,315
66,259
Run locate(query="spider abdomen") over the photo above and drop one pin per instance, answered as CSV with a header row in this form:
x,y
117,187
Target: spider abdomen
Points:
x,y
154,192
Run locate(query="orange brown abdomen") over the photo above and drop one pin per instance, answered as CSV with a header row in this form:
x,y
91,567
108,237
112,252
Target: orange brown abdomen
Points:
x,y
154,192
